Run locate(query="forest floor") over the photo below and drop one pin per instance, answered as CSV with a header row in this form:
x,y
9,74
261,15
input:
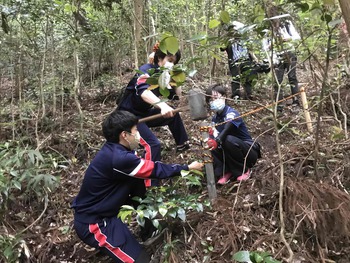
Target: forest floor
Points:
x,y
244,216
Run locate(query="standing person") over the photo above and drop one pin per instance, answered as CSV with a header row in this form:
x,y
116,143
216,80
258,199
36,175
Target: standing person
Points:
x,y
285,59
112,180
233,149
143,102
240,62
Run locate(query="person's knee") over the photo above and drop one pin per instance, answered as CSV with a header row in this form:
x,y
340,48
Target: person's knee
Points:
x,y
143,257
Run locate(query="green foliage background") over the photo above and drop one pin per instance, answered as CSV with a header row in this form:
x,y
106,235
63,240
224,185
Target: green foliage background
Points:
x,y
55,52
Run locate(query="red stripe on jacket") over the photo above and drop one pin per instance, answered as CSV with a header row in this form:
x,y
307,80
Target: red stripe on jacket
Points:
x,y
148,156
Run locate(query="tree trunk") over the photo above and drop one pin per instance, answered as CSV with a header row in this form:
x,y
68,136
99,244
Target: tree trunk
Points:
x,y
345,8
138,10
42,72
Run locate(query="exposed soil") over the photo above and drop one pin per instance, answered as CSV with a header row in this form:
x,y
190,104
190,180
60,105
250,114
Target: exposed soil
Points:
x,y
244,216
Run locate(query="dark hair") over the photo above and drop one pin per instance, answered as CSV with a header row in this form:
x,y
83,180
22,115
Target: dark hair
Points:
x,y
160,55
216,87
117,122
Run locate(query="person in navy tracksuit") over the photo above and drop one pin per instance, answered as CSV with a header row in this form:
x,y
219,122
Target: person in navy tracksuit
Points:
x,y
112,180
233,149
144,102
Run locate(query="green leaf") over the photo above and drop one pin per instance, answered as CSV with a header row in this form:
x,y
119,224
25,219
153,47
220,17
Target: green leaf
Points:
x,y
242,256
64,229
179,78
265,254
199,37
8,252
182,214
303,6
152,81
214,23
125,215
169,44
172,212
225,17
127,207
164,79
140,220
31,157
328,18
184,173
162,210
164,92
271,260
14,173
258,258
192,72
155,222
39,156
199,208
17,185
162,47
197,172
137,199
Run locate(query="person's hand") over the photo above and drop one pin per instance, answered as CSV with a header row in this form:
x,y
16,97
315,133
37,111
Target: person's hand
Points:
x,y
195,166
166,110
212,144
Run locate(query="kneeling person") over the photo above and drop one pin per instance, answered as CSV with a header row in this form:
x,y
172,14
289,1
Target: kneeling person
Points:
x,y
233,149
113,178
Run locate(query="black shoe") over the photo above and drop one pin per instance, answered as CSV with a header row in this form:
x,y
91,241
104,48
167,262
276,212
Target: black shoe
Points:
x,y
295,103
279,108
183,147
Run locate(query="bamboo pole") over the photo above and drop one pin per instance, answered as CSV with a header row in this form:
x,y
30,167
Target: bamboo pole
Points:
x,y
306,109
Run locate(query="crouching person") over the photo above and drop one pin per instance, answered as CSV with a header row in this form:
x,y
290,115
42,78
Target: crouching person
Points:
x,y
233,149
113,178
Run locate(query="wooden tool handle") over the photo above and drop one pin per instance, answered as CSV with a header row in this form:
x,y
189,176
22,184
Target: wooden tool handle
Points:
x,y
159,115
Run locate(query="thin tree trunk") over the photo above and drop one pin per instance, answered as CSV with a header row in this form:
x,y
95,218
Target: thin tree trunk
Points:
x,y
42,73
76,87
320,107
53,76
77,82
345,8
18,75
138,10
188,18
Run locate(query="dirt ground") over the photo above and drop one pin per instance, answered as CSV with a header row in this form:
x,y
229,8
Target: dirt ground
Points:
x,y
244,216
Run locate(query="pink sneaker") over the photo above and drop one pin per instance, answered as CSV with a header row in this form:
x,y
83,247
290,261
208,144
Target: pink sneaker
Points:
x,y
244,176
225,179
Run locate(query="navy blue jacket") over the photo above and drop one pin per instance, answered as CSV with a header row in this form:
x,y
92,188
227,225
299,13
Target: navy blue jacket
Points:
x,y
240,129
109,179
132,100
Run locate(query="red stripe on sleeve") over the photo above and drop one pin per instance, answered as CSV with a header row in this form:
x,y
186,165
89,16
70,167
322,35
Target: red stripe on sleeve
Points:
x,y
142,79
148,154
145,170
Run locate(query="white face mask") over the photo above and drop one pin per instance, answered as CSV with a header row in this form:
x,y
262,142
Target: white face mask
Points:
x,y
135,142
217,105
168,65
